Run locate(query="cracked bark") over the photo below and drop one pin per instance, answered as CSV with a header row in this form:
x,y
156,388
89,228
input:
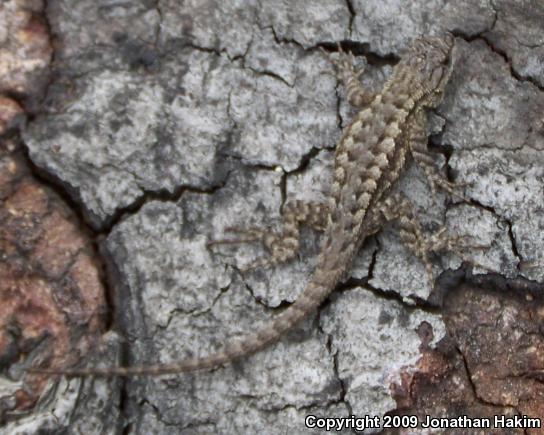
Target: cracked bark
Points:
x,y
166,123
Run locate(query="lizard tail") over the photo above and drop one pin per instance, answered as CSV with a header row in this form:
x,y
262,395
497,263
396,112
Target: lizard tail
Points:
x,y
314,294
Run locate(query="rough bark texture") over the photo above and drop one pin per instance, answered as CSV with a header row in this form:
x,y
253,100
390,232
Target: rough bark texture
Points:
x,y
163,122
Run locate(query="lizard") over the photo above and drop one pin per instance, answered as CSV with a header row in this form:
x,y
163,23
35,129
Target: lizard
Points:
x,y
388,127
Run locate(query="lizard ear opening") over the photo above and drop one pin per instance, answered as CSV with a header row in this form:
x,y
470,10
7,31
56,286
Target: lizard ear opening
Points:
x,y
437,77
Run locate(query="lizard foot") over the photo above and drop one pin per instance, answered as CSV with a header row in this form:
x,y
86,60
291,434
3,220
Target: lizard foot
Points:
x,y
460,245
281,248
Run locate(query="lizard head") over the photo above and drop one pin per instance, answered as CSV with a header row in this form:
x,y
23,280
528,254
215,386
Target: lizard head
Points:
x,y
429,62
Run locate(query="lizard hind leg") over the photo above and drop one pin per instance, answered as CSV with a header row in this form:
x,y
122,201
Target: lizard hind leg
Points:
x,y
357,95
399,208
285,245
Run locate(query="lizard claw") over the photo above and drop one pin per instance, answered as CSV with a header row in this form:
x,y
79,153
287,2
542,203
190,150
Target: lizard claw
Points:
x,y
453,188
252,235
459,246
345,60
256,264
456,244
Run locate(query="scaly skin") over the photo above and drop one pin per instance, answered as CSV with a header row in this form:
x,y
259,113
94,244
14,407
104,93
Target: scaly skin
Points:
x,y
369,159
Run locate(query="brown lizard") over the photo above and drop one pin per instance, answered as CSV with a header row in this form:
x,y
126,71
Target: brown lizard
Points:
x,y
390,126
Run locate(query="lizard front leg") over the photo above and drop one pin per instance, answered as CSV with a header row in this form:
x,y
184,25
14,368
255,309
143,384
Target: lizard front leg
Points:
x,y
357,95
398,208
285,245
